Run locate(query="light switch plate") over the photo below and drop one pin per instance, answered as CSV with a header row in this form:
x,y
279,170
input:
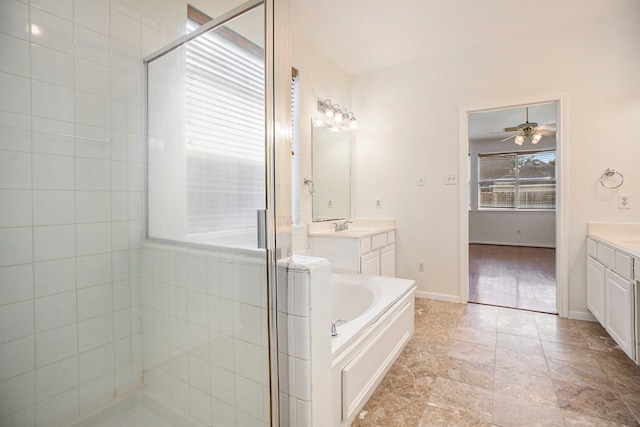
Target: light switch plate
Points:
x,y
451,178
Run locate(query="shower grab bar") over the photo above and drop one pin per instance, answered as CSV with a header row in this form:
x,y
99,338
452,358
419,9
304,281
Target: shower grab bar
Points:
x,y
86,138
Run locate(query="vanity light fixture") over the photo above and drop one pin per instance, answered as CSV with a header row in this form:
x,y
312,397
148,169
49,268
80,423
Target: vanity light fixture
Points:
x,y
335,118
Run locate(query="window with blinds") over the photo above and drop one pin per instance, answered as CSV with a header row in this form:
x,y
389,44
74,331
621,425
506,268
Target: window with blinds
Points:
x,y
225,128
517,180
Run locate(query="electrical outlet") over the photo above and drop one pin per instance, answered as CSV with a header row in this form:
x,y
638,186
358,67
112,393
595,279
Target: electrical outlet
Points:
x,y
378,203
421,180
624,201
330,203
420,265
451,178
517,231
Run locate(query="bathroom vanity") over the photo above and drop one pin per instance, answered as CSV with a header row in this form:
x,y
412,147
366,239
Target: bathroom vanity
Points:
x,y
613,272
366,247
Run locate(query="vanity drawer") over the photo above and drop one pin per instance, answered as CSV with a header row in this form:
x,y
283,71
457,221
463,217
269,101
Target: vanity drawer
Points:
x,y
606,255
391,236
365,245
624,265
378,241
591,248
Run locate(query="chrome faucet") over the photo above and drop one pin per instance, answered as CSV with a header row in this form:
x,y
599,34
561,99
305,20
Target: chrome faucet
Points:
x,y
334,330
342,226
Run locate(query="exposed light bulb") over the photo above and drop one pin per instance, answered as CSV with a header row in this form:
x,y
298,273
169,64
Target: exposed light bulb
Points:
x,y
329,112
353,124
338,116
519,139
536,137
318,123
334,129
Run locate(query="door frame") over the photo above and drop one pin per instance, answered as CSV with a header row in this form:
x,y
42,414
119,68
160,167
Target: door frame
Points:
x,y
562,263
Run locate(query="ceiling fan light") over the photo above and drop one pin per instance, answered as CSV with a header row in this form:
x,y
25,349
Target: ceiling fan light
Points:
x,y
536,137
519,139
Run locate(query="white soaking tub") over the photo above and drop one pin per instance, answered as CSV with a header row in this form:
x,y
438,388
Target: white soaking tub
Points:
x,y
378,322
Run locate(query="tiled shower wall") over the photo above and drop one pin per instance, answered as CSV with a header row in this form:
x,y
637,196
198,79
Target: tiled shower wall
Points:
x,y
205,332
71,217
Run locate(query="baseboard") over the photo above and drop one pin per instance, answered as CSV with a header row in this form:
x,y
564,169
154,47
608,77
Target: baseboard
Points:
x,y
438,297
528,245
582,315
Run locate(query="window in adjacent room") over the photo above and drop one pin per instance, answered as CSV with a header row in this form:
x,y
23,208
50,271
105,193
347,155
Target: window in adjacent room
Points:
x,y
295,146
521,181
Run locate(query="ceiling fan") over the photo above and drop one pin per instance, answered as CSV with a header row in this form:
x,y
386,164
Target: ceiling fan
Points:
x,y
530,130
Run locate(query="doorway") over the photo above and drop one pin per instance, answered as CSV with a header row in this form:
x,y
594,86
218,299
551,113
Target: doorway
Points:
x,y
512,206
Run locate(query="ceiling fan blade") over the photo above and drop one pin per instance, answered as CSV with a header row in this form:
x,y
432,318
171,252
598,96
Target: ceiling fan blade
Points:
x,y
512,129
548,126
507,138
548,132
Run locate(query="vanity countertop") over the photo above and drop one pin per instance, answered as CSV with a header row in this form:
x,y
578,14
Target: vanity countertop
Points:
x,y
357,229
623,236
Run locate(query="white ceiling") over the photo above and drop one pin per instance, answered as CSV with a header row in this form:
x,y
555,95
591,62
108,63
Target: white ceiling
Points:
x,y
365,35
491,124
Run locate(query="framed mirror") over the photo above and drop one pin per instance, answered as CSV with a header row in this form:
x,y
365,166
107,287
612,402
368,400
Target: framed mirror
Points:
x,y
331,169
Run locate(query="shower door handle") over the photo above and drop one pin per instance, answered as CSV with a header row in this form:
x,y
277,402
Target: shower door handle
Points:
x,y
262,228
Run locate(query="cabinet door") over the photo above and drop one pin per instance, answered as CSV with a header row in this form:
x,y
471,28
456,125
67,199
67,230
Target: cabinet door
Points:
x,y
370,264
620,311
595,289
388,261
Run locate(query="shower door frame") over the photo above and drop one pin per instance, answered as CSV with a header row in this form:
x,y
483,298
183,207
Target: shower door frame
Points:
x,y
277,163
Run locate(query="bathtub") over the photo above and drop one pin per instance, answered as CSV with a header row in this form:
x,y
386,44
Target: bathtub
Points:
x,y
378,322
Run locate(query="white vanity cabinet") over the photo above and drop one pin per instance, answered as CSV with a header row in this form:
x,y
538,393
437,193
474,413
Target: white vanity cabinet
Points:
x,y
365,253
611,293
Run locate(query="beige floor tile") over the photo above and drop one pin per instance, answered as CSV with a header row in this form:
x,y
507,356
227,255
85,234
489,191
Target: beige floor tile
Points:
x,y
471,352
479,321
574,419
433,416
554,321
475,335
533,388
519,344
461,398
516,411
475,374
568,353
587,375
560,335
633,403
534,364
516,327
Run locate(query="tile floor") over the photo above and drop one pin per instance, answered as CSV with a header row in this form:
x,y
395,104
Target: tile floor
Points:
x,y
513,276
476,365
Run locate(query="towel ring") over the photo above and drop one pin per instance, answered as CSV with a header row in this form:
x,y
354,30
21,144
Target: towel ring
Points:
x,y
609,172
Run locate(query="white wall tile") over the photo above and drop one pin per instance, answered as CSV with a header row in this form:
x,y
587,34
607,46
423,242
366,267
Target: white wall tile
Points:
x,y
15,170
123,352
52,101
17,393
96,393
54,242
16,246
91,77
120,266
94,301
92,110
16,283
223,385
125,28
52,277
121,295
96,332
16,321
125,58
118,111
55,311
93,174
26,418
119,206
93,206
14,18
15,131
16,93
248,361
92,14
15,55
119,149
95,363
93,238
199,374
91,45
56,344
16,208
303,379
56,378
301,297
120,235
53,172
51,31
17,357
250,394
93,270
122,324
302,344
60,8
119,176
221,315
51,66
197,308
53,207
58,410
47,138
248,323
303,413
222,413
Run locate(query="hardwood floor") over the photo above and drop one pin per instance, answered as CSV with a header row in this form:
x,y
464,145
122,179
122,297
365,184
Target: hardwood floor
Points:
x,y
513,276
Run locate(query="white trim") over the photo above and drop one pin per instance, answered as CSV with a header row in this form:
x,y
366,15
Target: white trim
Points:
x,y
439,297
582,315
562,266
529,245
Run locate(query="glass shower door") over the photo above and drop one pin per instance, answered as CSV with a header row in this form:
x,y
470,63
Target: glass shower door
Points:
x,y
204,278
